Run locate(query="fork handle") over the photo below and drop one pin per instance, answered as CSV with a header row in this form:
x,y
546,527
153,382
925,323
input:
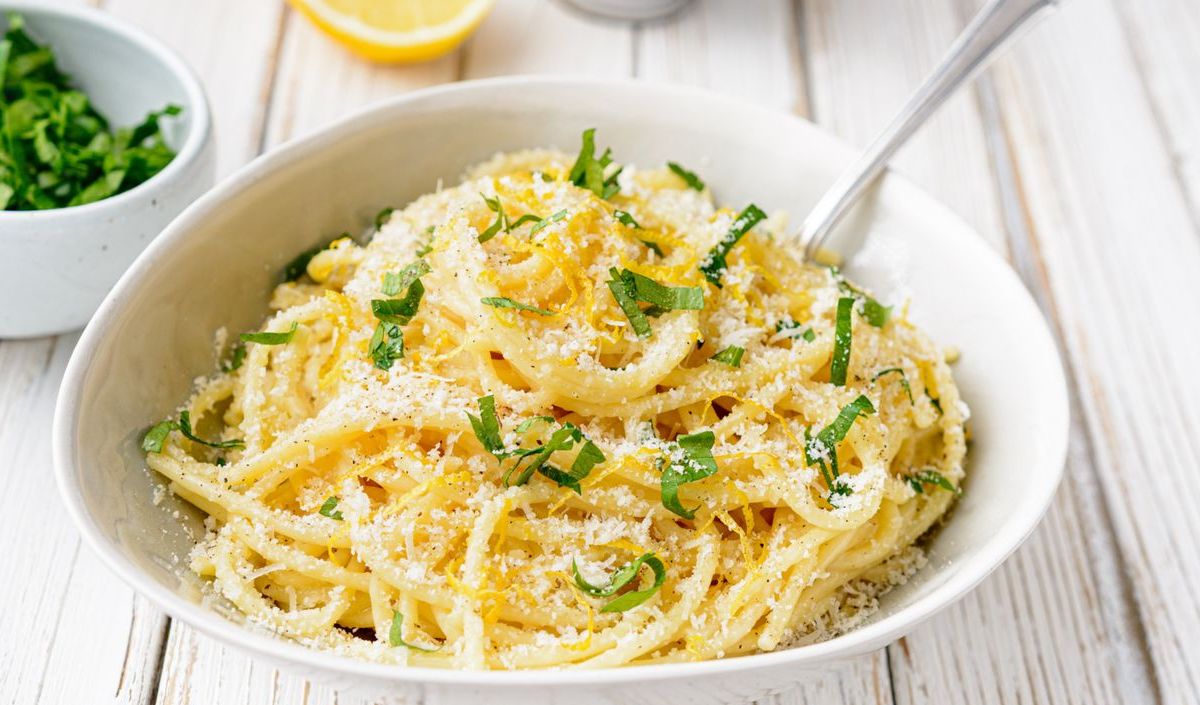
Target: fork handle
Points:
x,y
989,30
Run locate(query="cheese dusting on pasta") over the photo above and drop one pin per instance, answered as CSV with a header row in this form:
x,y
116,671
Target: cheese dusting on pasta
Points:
x,y
560,416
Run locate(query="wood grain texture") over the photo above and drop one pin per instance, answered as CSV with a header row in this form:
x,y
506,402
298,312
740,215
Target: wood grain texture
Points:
x,y
1164,46
1120,252
1034,632
231,45
722,46
62,603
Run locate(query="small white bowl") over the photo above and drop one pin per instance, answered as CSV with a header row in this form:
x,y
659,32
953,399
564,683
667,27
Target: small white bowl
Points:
x,y
138,357
58,264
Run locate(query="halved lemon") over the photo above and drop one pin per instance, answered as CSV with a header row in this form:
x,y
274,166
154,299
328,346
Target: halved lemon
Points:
x,y
397,30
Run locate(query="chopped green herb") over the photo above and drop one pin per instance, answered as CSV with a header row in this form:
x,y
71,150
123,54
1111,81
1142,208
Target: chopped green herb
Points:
x,y
505,302
236,357
691,460
270,338
395,282
527,218
298,267
620,578
937,403
821,450
713,265
563,439
329,509
185,427
903,380
387,342
589,456
153,441
876,313
487,426
667,298
56,150
623,290
624,218
396,635
842,339
382,217
931,477
529,422
688,177
386,346
654,247
543,222
493,205
731,356
399,311
588,171
427,246
792,329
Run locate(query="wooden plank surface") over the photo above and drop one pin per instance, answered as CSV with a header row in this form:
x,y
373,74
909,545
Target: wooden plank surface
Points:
x,y
1025,635
1098,215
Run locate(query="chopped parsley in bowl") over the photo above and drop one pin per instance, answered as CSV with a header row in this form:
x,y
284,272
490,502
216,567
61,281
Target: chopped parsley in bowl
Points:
x,y
56,149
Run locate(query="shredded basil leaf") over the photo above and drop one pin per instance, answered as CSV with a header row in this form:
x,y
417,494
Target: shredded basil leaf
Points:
x,y
588,171
493,205
928,476
382,217
667,298
487,426
505,302
237,356
653,247
623,290
842,339
688,177
589,456
387,345
529,422
153,441
620,578
563,438
876,313
691,460
731,356
329,509
399,311
185,427
543,222
298,267
395,282
792,329
713,265
624,218
903,381
270,338
396,634
821,450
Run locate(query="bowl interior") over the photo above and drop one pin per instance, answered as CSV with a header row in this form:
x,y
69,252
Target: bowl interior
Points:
x,y
216,264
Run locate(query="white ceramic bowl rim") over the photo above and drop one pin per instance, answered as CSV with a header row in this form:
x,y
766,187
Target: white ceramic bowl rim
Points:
x,y
966,574
197,131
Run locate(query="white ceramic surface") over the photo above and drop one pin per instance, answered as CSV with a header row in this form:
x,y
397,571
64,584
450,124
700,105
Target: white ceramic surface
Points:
x,y
222,256
57,265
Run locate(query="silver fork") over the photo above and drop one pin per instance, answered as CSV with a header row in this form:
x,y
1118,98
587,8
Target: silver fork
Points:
x,y
988,31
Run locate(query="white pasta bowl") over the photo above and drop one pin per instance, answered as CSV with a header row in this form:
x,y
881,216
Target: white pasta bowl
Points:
x,y
216,263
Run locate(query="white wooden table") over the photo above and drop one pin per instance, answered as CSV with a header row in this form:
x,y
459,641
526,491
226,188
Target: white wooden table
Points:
x,y
1078,156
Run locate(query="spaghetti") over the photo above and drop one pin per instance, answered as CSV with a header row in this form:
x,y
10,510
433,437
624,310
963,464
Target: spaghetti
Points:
x,y
565,415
